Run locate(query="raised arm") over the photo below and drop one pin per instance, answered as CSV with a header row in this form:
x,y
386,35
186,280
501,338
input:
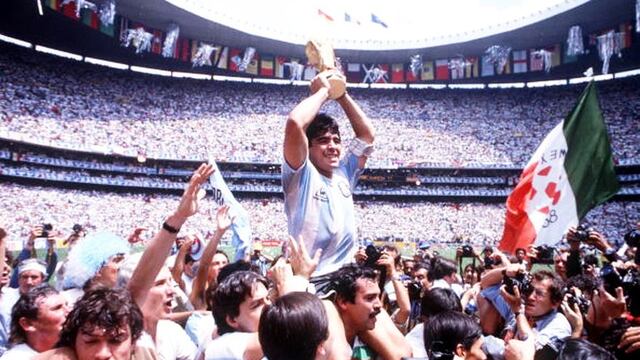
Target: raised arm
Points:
x,y
296,146
200,282
158,250
360,123
178,266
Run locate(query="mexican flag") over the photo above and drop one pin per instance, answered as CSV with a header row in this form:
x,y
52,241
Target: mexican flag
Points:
x,y
570,173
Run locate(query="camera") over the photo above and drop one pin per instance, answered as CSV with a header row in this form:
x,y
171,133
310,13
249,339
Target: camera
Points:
x,y
632,238
582,233
373,255
522,280
414,288
581,301
544,255
77,228
631,286
467,251
611,279
46,229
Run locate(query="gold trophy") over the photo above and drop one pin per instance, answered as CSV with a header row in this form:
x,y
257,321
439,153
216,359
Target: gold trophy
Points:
x,y
321,56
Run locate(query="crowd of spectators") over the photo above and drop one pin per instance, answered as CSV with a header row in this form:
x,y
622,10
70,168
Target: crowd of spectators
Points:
x,y
439,223
79,106
164,300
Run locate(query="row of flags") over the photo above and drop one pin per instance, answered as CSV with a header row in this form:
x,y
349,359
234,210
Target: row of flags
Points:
x,y
270,65
349,18
87,16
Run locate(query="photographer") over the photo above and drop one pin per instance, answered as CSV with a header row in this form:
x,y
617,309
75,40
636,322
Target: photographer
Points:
x,y
590,237
539,303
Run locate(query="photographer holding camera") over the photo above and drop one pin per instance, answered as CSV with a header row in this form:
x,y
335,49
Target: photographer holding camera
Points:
x,y
531,298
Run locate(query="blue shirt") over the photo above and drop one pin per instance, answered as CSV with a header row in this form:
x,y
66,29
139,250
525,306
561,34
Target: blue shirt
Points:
x,y
320,209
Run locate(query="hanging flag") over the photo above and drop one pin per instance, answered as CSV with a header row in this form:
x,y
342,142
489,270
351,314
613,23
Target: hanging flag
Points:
x,y
442,69
54,4
409,76
280,61
457,67
397,73
427,71
156,42
185,49
568,58
224,58
487,66
309,73
108,29
471,69
89,18
195,45
234,59
69,10
324,15
241,227
626,31
354,73
217,51
376,20
536,60
519,61
556,53
570,173
266,66
124,26
252,68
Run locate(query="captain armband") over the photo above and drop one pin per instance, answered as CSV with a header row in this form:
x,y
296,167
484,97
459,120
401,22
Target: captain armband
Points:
x,y
360,148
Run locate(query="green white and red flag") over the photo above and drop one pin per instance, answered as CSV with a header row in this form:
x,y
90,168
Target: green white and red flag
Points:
x,y
570,173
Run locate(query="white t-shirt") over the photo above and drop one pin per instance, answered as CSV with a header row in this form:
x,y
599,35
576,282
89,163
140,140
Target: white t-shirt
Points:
x,y
230,346
415,338
19,352
173,343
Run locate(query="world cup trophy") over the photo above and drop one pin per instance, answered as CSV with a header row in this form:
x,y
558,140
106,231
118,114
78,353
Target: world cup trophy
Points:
x,y
321,56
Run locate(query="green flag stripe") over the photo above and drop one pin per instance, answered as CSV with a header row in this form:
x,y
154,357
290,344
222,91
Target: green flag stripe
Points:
x,y
588,163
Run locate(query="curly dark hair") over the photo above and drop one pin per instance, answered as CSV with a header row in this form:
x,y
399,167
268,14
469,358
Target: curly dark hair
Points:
x,y
27,307
105,308
230,293
343,281
320,125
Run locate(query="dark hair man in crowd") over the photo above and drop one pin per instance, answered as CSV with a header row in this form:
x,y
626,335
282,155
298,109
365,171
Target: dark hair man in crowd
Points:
x,y
31,273
367,326
36,322
237,304
104,324
318,181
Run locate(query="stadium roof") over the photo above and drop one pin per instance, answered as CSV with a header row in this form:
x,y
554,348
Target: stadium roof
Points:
x,y
400,28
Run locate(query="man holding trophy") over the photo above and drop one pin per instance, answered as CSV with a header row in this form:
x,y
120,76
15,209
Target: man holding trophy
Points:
x,y
317,180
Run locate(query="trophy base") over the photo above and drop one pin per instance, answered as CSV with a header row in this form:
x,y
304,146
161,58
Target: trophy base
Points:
x,y
338,83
